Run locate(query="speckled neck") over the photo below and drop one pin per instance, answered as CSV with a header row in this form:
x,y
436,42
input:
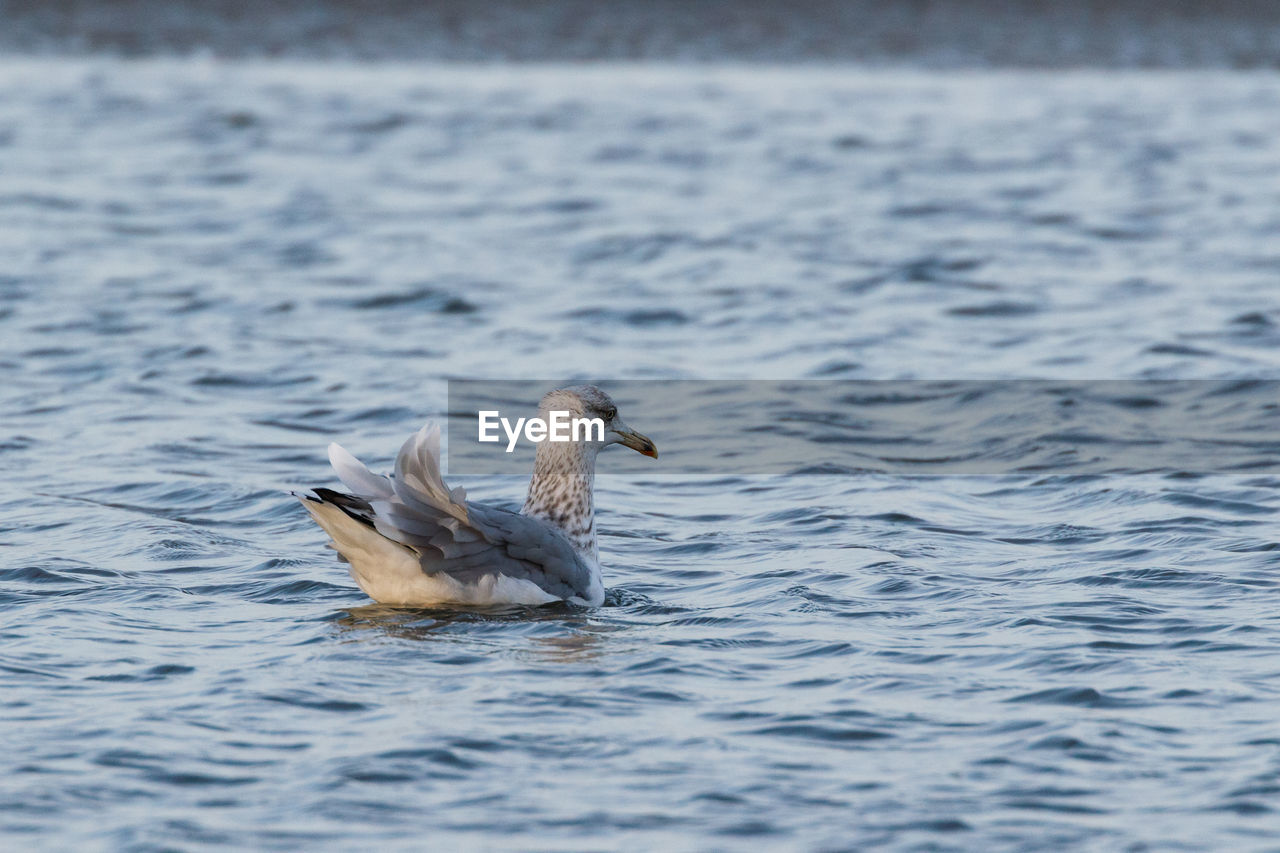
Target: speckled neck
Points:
x,y
562,492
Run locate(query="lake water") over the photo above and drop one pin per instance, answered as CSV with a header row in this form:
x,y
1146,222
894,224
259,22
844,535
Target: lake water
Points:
x,y
212,270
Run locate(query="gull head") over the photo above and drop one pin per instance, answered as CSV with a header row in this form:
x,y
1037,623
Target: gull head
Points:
x,y
588,401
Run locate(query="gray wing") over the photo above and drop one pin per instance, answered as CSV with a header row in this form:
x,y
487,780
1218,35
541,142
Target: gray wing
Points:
x,y
450,534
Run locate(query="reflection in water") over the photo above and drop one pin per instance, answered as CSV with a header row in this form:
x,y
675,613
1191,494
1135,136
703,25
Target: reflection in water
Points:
x,y
578,647
555,632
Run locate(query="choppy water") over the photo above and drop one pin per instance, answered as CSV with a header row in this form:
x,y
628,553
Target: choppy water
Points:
x,y
211,271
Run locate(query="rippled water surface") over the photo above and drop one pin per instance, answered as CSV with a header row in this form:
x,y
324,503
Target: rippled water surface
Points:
x,y
211,271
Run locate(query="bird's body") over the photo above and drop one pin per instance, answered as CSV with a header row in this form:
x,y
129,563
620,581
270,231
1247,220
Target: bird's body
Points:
x,y
411,540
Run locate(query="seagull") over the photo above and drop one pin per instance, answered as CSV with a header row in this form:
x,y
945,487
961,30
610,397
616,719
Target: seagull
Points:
x,y
410,540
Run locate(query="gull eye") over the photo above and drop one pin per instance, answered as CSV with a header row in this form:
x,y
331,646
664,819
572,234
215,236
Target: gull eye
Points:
x,y
609,413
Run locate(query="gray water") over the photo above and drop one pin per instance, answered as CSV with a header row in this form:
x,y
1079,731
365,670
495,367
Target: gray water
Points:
x,y
212,270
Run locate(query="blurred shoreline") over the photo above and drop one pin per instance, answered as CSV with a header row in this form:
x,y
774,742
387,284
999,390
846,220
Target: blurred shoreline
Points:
x,y
942,34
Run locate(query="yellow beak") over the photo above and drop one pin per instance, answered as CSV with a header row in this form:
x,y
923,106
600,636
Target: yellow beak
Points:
x,y
637,442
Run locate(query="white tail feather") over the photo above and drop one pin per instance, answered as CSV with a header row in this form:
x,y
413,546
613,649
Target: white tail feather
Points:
x,y
355,476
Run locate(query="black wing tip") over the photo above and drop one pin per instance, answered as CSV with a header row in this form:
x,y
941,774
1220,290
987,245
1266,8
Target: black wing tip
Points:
x,y
357,508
